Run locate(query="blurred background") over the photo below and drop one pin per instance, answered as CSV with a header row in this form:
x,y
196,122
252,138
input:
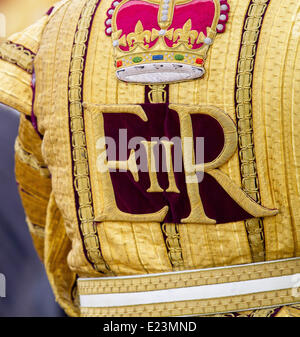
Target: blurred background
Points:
x,y
21,13
27,289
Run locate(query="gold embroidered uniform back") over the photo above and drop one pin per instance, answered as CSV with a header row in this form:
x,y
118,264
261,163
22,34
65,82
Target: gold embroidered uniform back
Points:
x,y
236,85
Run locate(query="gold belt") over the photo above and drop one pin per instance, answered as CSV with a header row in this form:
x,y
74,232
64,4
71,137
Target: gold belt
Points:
x,y
193,292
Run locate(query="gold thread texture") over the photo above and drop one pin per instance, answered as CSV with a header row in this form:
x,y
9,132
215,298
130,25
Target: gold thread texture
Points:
x,y
17,54
173,245
31,160
79,151
286,311
183,279
157,93
250,184
190,279
35,229
195,308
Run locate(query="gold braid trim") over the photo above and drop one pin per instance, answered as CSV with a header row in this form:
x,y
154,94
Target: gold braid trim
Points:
x,y
173,245
17,54
30,159
157,93
79,151
244,80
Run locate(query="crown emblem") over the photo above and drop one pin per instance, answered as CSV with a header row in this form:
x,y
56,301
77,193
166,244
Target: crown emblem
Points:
x,y
163,41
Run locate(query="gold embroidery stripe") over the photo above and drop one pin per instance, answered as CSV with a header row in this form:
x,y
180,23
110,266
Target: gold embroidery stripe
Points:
x,y
188,279
196,278
173,245
196,307
30,159
79,151
17,54
244,80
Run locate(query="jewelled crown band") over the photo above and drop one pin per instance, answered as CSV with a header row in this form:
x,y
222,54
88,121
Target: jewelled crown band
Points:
x,y
163,41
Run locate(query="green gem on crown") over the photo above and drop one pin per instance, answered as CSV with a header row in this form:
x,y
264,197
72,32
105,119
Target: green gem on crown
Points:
x,y
137,59
179,57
